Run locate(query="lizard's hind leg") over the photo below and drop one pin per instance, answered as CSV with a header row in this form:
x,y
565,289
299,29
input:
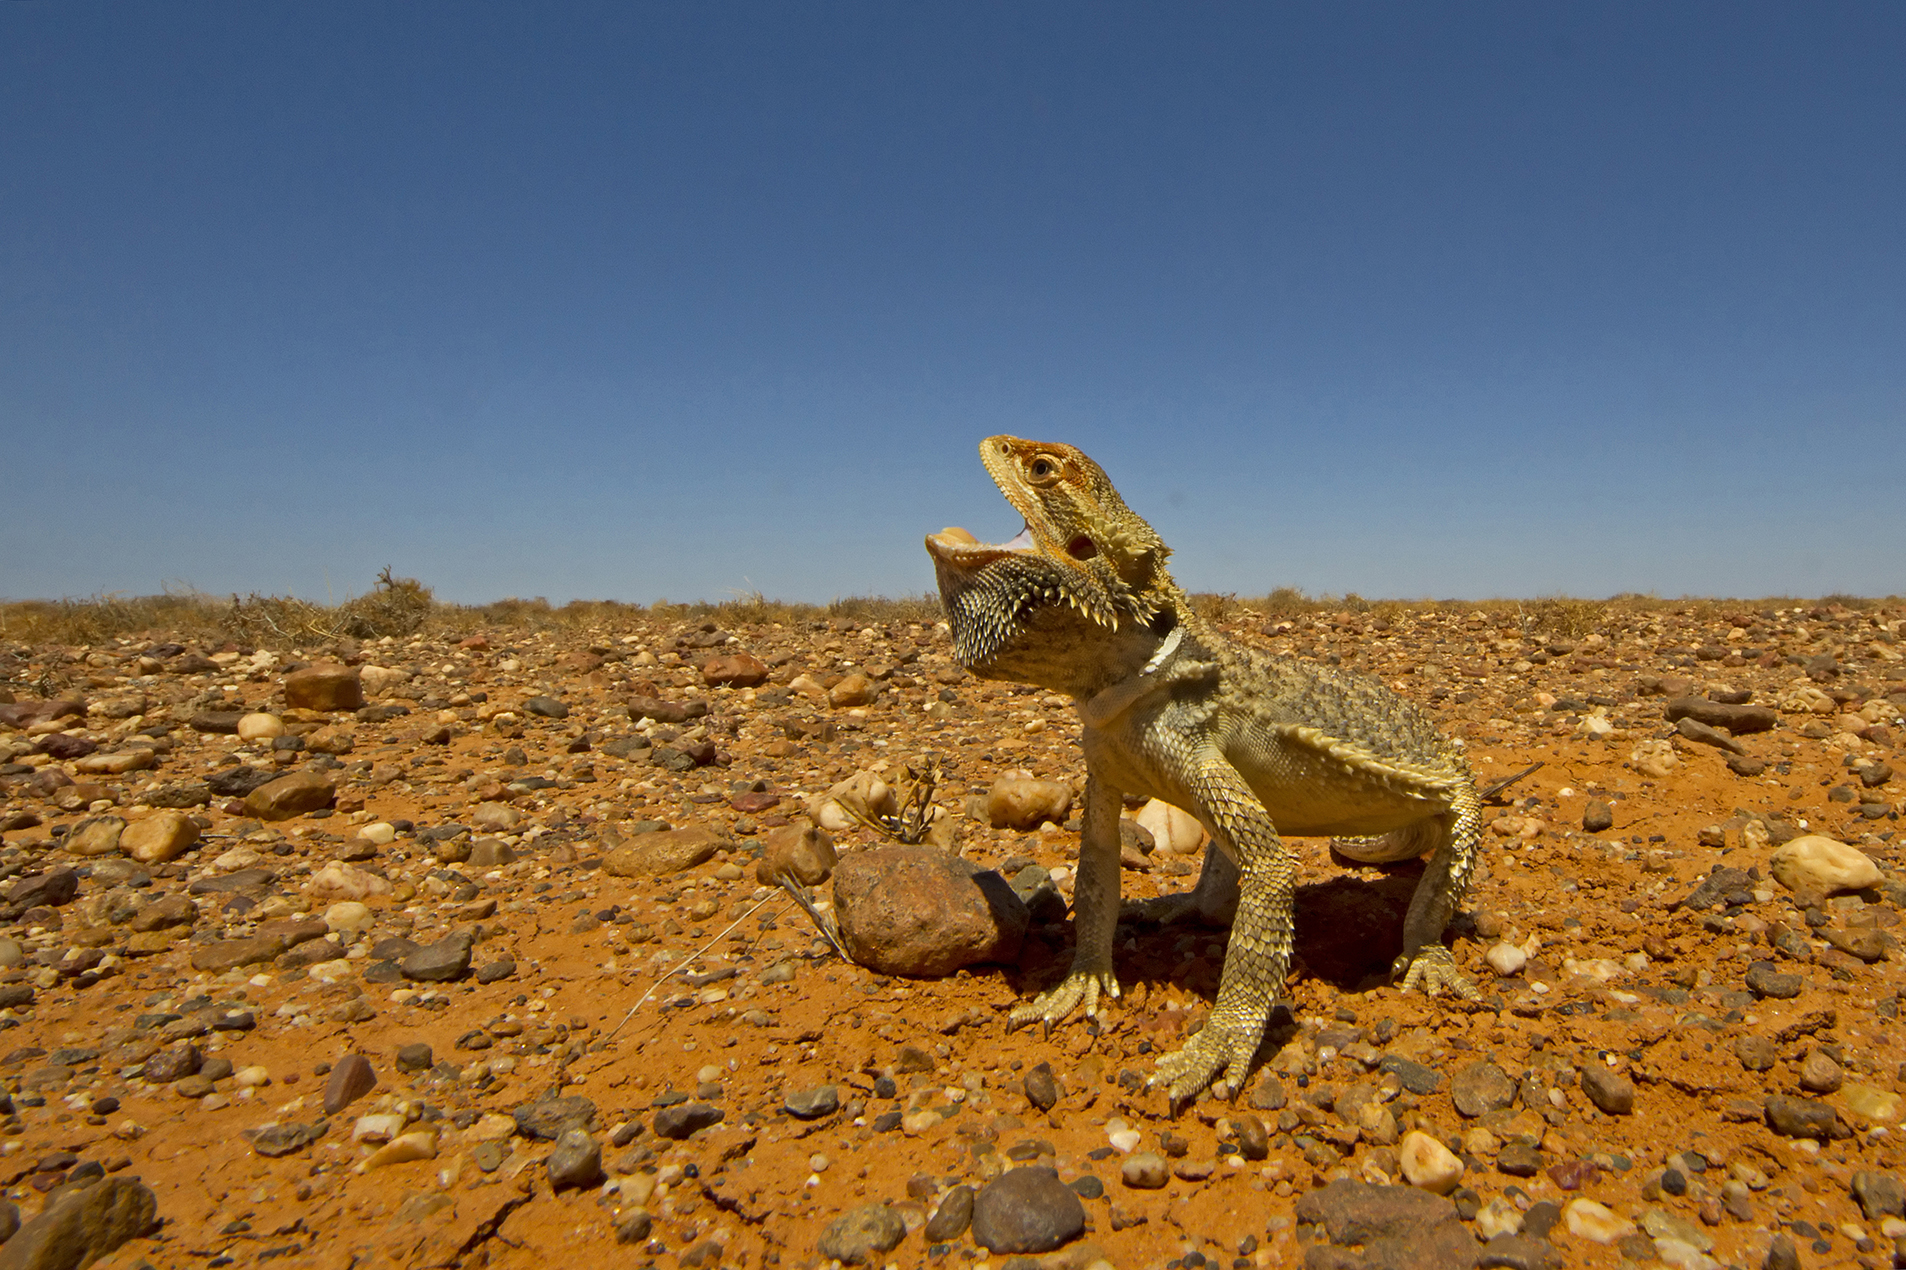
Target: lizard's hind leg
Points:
x,y
1425,959
1213,901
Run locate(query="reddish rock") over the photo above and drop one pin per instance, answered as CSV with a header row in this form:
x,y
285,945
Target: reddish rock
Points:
x,y
920,912
736,670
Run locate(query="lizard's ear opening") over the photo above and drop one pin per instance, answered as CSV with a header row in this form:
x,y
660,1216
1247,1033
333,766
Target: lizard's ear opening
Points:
x,y
1164,623
1082,548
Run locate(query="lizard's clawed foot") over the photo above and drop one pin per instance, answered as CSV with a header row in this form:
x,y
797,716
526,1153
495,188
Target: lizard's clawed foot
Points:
x,y
1079,987
1225,1049
1434,969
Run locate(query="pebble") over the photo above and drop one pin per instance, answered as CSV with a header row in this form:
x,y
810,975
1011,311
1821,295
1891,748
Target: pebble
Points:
x,y
1506,959
852,690
293,794
801,851
1881,1105
415,1057
442,962
1173,829
159,838
546,1119
83,1225
920,912
812,1104
260,726
576,1161
351,1078
1766,980
1802,1118
663,853
1042,1090
858,1236
1145,1171
340,881
1819,1074
1879,1195
95,836
1427,1164
1023,803
1481,1087
1821,865
1254,1137
1614,1094
1595,1222
1027,1210
683,1119
951,1218
633,1226
736,670
348,917
495,818
418,1145
1597,816
324,687
1519,1159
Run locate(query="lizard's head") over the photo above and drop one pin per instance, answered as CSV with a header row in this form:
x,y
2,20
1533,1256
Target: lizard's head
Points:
x,y
1084,566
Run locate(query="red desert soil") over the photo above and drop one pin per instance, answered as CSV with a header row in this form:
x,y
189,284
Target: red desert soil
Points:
x,y
232,959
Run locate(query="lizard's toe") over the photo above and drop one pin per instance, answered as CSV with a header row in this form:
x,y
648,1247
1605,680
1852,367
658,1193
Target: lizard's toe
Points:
x,y
1078,988
1214,1051
1434,969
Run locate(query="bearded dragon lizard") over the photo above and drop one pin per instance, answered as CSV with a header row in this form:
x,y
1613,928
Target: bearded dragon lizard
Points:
x,y
1251,744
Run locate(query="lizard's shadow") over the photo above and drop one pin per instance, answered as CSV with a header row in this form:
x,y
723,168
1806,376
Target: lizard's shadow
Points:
x,y
1349,931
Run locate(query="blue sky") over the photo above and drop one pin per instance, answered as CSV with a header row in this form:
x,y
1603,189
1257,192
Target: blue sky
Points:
x,y
626,301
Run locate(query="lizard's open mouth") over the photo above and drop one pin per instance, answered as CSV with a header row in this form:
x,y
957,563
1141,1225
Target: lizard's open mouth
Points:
x,y
959,549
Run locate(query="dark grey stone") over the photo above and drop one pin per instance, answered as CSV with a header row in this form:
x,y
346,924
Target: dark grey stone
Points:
x,y
684,1119
441,962
1803,1118
952,1217
575,1162
1027,1210
1042,1090
812,1104
547,1118
1416,1078
1764,980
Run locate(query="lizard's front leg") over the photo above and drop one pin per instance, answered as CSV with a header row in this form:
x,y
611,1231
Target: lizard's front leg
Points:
x,y
1259,951
1094,914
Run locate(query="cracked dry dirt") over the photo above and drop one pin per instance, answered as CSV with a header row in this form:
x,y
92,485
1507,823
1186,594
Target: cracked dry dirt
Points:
x,y
1618,972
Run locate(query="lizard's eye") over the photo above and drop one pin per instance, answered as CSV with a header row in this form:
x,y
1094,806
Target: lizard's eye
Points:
x,y
1043,467
1082,548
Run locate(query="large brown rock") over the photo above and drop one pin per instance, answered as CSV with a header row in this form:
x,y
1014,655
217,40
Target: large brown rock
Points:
x,y
662,853
324,687
291,795
82,1226
162,836
917,911
737,670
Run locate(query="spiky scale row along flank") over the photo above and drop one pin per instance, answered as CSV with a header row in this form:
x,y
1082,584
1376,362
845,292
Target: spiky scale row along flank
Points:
x,y
1251,744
